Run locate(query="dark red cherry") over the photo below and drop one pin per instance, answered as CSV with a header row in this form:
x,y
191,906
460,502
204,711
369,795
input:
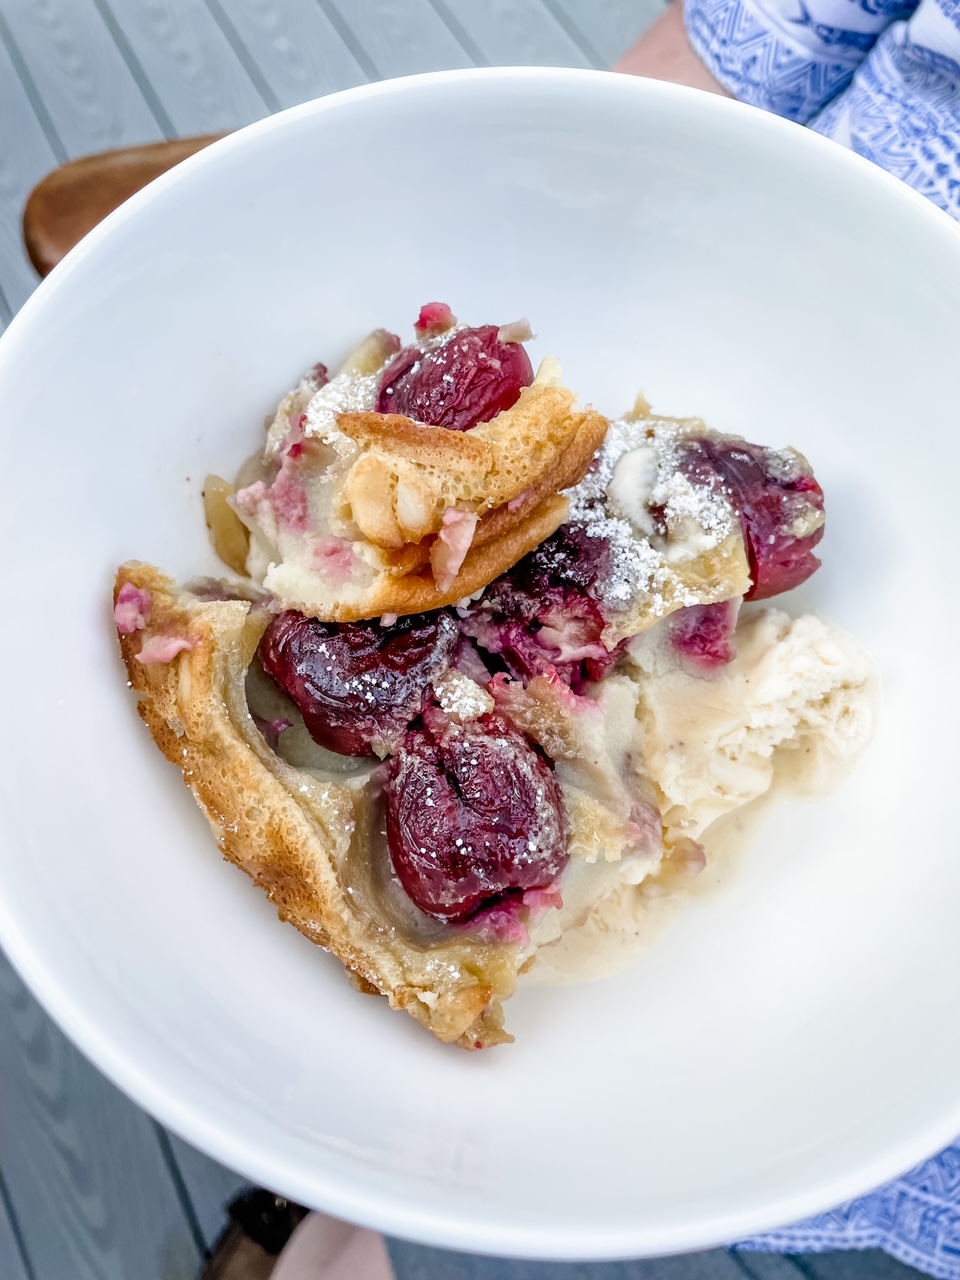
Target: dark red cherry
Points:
x,y
358,685
545,612
778,500
473,814
466,380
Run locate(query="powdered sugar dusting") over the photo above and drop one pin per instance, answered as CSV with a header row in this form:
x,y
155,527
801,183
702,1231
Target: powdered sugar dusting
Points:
x,y
346,393
688,518
430,341
462,698
634,563
698,512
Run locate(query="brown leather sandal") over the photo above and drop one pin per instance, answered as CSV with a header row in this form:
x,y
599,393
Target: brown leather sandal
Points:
x,y
259,1228
71,200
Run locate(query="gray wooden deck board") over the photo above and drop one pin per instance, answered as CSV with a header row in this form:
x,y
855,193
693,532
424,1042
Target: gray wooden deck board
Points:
x,y
866,1264
768,1266
86,1179
12,1262
86,87
297,49
397,37
412,1262
607,27
25,156
189,63
90,1187
514,32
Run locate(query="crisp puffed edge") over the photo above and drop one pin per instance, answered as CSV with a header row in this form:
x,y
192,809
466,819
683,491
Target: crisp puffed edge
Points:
x,y
542,444
285,828
568,469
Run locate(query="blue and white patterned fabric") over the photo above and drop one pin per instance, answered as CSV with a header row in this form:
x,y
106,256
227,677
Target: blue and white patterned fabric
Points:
x,y
916,1218
880,76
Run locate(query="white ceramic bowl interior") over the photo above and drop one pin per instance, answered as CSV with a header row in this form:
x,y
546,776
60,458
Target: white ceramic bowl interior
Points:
x,y
792,1039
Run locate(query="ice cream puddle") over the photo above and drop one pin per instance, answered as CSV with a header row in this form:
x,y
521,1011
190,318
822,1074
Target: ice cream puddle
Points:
x,y
786,718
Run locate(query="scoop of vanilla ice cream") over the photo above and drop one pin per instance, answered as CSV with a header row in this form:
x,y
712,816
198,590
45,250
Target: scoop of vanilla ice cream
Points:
x,y
710,737
710,741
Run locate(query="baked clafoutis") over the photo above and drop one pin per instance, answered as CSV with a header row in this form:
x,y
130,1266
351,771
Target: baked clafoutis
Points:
x,y
487,667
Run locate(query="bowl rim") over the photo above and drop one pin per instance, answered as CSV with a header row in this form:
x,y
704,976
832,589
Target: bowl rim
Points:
x,y
122,1065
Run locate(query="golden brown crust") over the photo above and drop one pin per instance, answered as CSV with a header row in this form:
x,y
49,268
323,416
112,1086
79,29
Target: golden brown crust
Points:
x,y
294,832
397,434
571,466
407,475
375,518
569,469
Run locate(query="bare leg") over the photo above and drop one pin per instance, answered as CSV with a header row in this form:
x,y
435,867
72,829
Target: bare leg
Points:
x,y
323,1248
663,52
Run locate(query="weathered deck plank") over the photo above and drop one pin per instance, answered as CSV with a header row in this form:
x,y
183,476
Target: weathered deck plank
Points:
x,y
514,33
397,37
84,1172
607,28
769,1266
189,63
413,1262
12,1262
210,1186
86,86
26,154
298,51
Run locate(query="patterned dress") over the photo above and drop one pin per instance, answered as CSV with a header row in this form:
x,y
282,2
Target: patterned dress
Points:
x,y
880,76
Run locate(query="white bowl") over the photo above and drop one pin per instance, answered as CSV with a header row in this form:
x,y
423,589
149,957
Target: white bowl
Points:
x,y
792,1040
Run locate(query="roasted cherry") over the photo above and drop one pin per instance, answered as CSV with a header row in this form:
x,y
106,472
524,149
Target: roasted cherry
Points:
x,y
779,503
358,685
468,379
546,613
474,815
